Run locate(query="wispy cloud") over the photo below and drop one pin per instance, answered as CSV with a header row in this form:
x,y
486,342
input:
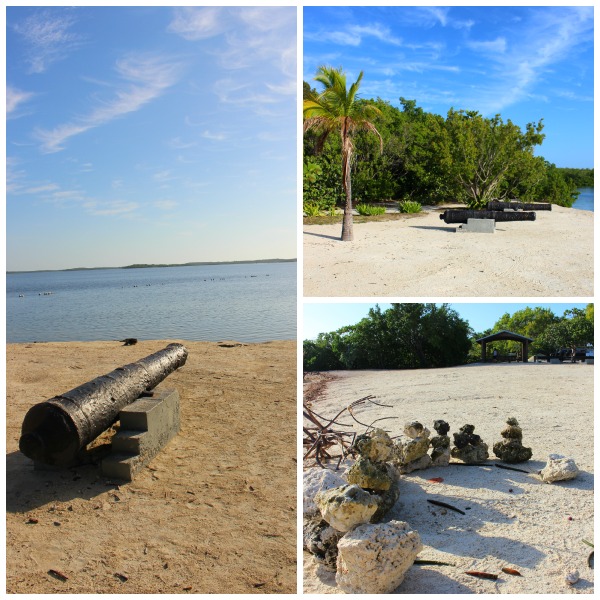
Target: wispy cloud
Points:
x,y
146,77
250,38
48,37
211,135
14,99
199,23
550,37
112,208
355,35
497,46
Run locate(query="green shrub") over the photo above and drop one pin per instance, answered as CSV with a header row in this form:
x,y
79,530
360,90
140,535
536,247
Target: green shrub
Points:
x,y
409,206
369,210
311,209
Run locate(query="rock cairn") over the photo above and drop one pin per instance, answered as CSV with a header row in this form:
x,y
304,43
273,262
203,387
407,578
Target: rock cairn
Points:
x,y
510,449
440,443
468,446
341,520
410,449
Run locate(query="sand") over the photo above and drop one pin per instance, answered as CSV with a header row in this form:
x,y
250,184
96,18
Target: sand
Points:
x,y
215,511
422,256
514,519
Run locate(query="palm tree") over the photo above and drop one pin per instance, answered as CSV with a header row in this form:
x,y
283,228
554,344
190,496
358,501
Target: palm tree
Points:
x,y
337,108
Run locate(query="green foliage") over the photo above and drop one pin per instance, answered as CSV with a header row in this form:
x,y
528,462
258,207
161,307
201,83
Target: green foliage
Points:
x,y
409,206
578,178
574,329
368,209
405,336
337,109
311,209
548,331
431,159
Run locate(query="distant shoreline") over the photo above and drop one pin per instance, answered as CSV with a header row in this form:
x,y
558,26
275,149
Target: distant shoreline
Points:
x,y
150,266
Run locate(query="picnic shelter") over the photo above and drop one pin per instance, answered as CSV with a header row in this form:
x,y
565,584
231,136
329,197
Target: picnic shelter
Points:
x,y
502,336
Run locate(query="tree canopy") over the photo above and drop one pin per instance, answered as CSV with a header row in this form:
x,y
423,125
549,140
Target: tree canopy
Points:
x,y
426,157
405,336
417,336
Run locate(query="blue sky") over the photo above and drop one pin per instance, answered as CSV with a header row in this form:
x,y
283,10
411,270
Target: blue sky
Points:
x,y
525,63
325,317
150,135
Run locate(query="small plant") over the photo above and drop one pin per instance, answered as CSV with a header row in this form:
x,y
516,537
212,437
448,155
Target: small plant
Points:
x,y
311,209
409,206
369,210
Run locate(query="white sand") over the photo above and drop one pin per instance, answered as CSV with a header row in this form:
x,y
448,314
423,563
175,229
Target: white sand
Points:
x,y
527,529
423,256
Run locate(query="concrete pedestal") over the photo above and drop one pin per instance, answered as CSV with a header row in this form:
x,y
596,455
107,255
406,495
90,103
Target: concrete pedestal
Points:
x,y
147,425
477,226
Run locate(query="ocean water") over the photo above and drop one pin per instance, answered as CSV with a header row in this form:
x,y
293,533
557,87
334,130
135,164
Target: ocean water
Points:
x,y
585,201
243,302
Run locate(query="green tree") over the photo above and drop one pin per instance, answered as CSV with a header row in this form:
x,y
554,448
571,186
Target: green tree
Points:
x,y
337,108
479,154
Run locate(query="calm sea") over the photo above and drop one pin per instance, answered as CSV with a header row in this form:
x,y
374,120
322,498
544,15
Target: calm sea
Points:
x,y
243,302
585,201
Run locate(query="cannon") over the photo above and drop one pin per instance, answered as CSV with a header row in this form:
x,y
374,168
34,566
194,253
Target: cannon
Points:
x,y
518,206
462,216
55,431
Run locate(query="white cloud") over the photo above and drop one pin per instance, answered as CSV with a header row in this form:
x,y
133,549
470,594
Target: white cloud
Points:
x,y
166,204
146,77
111,208
198,23
497,46
48,37
252,41
549,37
15,98
209,135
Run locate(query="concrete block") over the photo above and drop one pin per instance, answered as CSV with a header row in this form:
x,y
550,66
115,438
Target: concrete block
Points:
x,y
477,226
589,361
555,361
147,425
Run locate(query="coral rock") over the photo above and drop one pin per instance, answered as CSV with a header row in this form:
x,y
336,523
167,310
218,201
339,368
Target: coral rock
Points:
x,y
321,539
375,445
347,506
316,480
510,449
468,446
414,465
559,468
416,430
388,497
373,559
441,427
370,475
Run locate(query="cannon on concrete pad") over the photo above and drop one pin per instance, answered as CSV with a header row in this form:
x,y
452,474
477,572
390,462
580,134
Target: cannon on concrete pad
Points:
x,y
462,216
495,205
54,432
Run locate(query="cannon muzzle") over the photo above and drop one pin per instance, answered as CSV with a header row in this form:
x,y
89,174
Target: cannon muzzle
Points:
x,y
54,431
462,216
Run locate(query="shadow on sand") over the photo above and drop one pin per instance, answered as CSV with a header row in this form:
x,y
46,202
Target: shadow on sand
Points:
x,y
28,488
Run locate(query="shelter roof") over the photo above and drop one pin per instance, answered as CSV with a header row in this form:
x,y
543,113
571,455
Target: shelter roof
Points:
x,y
504,335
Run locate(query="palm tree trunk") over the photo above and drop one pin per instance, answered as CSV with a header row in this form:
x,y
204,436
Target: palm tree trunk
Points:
x,y
348,222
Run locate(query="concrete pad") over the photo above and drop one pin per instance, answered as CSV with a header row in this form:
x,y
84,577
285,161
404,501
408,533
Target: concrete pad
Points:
x,y
147,425
477,226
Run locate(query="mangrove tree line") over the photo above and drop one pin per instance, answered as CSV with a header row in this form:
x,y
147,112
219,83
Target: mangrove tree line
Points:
x,y
462,157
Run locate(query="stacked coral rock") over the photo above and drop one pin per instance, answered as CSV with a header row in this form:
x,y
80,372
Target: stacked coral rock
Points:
x,y
341,520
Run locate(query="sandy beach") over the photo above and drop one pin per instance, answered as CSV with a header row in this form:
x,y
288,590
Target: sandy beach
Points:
x,y
511,519
214,512
422,256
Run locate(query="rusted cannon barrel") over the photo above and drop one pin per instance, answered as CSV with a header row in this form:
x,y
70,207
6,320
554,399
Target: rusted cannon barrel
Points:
x,y
519,206
462,216
54,431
